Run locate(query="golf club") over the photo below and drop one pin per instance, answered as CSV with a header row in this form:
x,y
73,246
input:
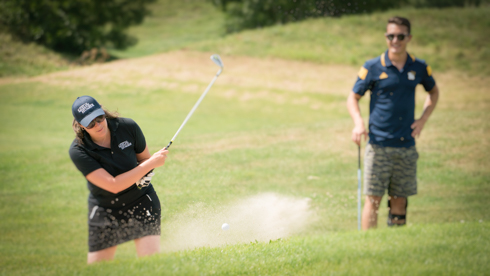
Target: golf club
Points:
x,y
217,60
359,187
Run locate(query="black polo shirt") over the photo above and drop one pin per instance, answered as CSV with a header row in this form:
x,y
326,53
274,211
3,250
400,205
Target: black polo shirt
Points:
x,y
127,140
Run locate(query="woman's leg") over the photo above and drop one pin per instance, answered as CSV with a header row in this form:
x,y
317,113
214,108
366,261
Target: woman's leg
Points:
x,y
148,245
102,255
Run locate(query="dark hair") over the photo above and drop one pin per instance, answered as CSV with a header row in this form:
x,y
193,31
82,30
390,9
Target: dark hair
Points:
x,y
401,21
79,132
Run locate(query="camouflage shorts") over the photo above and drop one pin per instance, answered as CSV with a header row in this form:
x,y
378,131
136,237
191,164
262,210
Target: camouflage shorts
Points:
x,y
392,169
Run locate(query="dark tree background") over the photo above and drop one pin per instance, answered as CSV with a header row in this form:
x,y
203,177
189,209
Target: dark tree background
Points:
x,y
72,26
249,14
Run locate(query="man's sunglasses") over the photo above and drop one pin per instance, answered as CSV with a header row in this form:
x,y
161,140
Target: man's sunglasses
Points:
x,y
400,37
98,119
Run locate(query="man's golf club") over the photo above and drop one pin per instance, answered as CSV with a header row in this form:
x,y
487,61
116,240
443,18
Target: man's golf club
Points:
x,y
216,59
359,187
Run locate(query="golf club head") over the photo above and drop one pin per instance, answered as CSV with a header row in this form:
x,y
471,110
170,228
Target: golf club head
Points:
x,y
216,59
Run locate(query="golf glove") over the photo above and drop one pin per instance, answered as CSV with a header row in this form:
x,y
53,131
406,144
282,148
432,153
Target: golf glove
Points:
x,y
145,180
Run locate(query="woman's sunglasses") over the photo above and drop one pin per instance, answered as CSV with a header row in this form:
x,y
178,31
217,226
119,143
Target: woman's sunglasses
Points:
x,y
400,37
98,119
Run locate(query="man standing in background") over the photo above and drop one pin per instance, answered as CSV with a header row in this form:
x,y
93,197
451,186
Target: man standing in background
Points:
x,y
391,157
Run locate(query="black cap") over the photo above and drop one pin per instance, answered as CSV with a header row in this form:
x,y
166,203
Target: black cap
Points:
x,y
85,109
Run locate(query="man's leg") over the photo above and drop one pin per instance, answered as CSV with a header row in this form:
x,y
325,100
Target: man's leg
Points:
x,y
403,183
370,212
377,172
398,210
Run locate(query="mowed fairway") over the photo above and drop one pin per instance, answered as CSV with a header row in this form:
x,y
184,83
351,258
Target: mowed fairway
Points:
x,y
269,128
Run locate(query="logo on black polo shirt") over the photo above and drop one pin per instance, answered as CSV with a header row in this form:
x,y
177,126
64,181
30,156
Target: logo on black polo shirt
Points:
x,y
124,145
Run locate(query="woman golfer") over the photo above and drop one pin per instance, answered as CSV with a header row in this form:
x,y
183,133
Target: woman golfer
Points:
x,y
112,154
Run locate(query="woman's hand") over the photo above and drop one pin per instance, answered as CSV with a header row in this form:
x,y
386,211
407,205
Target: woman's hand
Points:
x,y
104,180
158,158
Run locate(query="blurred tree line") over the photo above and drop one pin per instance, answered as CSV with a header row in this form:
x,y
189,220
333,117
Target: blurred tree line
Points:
x,y
73,26
249,14
80,26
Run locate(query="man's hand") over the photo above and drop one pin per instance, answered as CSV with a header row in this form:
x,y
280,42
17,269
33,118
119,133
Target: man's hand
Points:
x,y
429,105
357,134
354,111
417,127
145,180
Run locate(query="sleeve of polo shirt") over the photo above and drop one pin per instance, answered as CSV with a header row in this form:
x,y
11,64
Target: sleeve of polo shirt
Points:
x,y
83,161
139,138
363,80
428,81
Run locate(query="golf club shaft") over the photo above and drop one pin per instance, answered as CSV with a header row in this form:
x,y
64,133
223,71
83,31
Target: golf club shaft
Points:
x,y
359,187
194,108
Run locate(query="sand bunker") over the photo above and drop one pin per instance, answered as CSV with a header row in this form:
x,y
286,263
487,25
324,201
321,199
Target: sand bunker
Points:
x,y
258,218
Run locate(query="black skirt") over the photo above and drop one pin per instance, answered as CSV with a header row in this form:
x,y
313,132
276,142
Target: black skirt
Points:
x,y
109,226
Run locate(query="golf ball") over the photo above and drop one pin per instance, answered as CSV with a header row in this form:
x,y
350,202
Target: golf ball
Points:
x,y
225,226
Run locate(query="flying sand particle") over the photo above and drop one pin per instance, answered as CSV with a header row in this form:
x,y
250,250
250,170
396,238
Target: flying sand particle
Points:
x,y
263,217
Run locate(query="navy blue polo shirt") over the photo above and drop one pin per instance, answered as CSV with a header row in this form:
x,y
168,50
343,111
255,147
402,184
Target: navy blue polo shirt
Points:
x,y
392,105
127,140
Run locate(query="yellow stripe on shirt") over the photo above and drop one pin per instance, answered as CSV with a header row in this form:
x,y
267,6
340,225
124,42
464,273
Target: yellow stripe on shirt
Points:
x,y
362,73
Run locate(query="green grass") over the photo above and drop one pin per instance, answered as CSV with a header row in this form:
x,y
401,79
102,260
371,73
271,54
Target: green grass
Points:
x,y
174,25
451,39
448,39
348,253
232,149
252,134
19,59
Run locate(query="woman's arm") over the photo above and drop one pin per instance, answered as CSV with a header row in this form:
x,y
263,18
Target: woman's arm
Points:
x,y
143,156
106,181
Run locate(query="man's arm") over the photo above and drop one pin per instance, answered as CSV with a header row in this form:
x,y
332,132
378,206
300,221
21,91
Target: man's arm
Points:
x,y
355,113
429,106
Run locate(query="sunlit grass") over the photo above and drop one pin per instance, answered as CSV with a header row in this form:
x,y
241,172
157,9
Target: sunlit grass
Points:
x,y
20,59
448,39
174,25
268,125
238,144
